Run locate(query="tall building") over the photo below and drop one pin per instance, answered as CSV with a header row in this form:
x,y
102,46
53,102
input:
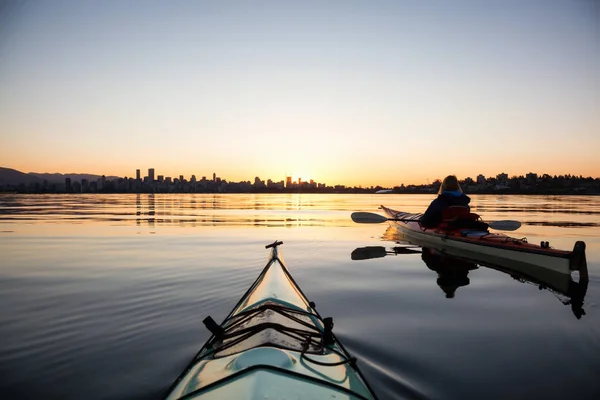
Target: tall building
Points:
x,y
258,182
137,174
151,174
214,176
288,181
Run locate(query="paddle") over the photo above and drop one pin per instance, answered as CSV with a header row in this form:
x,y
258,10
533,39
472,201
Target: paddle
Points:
x,y
372,218
369,252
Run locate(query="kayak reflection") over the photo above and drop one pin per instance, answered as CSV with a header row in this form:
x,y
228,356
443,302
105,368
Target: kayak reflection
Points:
x,y
453,273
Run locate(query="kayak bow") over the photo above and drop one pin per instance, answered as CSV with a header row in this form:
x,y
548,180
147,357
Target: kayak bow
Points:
x,y
274,344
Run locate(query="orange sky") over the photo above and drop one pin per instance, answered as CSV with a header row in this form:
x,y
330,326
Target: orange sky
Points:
x,y
353,94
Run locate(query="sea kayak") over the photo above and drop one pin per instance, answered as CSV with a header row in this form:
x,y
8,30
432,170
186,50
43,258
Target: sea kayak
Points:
x,y
273,345
491,247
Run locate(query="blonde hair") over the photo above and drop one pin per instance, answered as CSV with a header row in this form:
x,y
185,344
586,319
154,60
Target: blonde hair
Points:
x,y
450,183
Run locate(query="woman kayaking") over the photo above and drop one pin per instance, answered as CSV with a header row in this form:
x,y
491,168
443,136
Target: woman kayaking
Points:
x,y
450,194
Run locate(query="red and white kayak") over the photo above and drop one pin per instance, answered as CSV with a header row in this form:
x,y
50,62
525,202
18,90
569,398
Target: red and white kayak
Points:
x,y
485,246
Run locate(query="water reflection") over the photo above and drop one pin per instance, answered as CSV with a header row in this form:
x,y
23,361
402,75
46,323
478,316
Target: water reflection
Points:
x,y
74,274
148,214
453,273
588,205
289,210
283,210
565,224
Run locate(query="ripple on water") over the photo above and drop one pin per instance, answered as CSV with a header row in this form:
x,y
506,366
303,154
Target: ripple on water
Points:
x,y
109,304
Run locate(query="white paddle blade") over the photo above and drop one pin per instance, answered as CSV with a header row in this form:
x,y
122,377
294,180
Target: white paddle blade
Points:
x,y
506,225
367,218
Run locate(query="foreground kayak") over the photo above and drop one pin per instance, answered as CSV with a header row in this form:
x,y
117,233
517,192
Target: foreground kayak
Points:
x,y
495,248
273,345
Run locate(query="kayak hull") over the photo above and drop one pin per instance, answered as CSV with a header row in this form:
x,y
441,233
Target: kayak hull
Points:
x,y
273,344
494,248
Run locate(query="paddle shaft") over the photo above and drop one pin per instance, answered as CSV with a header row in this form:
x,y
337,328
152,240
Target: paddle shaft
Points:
x,y
372,218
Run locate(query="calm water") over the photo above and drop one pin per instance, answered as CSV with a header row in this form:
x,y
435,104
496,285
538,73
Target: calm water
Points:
x,y
103,295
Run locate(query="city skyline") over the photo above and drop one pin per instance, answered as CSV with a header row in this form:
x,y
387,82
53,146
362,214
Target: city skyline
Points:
x,y
153,176
353,93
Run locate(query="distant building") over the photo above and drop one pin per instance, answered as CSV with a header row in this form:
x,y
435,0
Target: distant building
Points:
x,y
137,175
481,180
258,183
288,181
161,178
531,178
502,178
151,174
275,185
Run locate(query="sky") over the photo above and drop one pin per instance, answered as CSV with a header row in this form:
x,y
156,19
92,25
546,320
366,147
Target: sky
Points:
x,y
342,92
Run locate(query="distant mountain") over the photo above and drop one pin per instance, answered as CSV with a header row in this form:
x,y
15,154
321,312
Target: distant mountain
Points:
x,y
9,176
60,178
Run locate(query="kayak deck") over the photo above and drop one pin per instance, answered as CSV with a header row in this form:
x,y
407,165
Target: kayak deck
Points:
x,y
489,246
273,344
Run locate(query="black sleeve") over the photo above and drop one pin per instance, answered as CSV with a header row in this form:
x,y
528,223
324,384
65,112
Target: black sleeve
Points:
x,y
433,214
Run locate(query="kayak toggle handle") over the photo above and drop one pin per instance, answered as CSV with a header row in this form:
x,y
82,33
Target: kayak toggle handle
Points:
x,y
213,327
274,244
328,331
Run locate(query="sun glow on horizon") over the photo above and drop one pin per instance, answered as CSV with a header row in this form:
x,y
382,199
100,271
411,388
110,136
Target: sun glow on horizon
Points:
x,y
348,98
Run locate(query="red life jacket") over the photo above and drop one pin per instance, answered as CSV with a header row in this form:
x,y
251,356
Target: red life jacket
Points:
x,y
460,217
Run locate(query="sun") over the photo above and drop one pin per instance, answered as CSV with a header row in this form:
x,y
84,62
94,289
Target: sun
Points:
x,y
304,168
304,174
301,177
